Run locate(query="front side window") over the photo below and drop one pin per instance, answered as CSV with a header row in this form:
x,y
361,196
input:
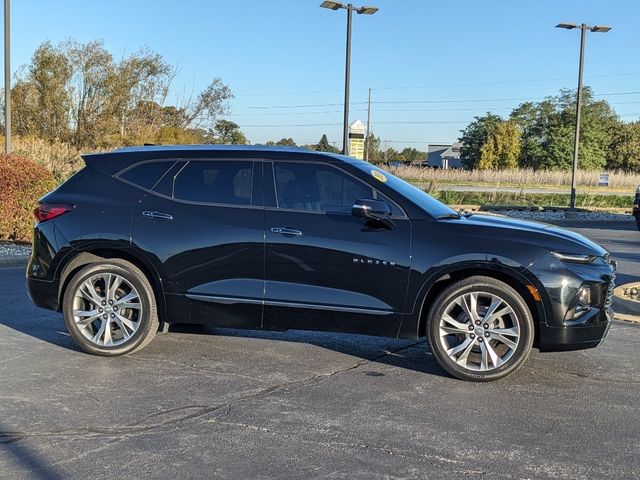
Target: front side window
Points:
x,y
317,188
215,181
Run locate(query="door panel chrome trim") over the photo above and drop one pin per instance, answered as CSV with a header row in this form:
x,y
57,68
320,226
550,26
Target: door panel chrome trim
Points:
x,y
271,303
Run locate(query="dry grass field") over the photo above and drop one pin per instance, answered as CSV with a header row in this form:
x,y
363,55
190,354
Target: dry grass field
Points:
x,y
525,178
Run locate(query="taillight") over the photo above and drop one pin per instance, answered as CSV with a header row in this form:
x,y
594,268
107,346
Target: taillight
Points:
x,y
47,211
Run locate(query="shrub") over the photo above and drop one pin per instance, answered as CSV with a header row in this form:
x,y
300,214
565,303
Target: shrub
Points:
x,y
22,183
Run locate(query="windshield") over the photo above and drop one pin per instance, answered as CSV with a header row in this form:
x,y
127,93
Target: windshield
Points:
x,y
422,199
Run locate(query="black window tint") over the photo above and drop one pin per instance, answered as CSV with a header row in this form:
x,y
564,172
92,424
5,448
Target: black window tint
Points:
x,y
146,175
165,185
215,181
316,187
396,211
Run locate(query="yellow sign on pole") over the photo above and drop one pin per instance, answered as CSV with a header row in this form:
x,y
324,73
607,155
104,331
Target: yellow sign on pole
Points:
x,y
356,140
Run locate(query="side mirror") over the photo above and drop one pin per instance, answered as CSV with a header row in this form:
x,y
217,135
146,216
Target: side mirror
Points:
x,y
375,210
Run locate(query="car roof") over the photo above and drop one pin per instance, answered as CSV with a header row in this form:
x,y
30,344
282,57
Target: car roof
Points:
x,y
119,158
207,148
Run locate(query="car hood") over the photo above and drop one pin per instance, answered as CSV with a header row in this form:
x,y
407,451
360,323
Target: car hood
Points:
x,y
541,234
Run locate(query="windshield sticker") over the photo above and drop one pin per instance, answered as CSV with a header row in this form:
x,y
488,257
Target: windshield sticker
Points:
x,y
378,176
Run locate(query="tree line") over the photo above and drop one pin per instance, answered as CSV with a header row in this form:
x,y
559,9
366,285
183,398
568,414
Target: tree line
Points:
x,y
540,135
78,93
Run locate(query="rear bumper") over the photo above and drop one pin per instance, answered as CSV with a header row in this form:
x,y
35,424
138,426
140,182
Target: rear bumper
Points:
x,y
576,337
43,293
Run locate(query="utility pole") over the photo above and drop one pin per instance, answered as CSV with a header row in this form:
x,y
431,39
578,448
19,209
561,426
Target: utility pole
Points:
x,y
366,140
7,79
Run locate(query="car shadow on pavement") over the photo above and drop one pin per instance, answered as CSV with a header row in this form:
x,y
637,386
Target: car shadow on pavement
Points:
x,y
407,354
24,459
49,327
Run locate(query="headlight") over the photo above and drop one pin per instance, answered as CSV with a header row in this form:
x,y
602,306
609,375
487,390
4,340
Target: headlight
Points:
x,y
580,305
573,258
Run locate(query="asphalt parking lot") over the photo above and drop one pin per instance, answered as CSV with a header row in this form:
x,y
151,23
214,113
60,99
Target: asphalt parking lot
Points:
x,y
222,403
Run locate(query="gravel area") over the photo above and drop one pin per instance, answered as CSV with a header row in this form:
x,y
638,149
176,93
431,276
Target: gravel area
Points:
x,y
560,215
632,292
11,250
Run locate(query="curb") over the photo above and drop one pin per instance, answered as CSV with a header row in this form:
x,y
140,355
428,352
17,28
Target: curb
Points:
x,y
627,318
13,262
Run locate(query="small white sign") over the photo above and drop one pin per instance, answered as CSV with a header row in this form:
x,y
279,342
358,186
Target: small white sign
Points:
x,y
604,180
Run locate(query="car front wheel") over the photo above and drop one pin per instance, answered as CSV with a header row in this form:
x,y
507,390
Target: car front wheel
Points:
x,y
110,308
480,329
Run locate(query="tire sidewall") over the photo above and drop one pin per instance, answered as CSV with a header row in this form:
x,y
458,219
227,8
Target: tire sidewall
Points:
x,y
147,300
524,320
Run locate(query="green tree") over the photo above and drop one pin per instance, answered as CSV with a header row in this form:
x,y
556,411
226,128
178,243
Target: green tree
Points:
x,y
228,132
548,130
474,136
412,154
625,147
283,142
324,146
373,145
502,148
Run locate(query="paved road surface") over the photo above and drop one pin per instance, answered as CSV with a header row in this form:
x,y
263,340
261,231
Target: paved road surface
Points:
x,y
201,403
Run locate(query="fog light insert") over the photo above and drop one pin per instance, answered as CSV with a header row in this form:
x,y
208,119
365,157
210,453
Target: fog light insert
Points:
x,y
580,305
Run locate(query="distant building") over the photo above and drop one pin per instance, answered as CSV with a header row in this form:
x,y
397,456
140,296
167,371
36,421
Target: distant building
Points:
x,y
443,155
451,156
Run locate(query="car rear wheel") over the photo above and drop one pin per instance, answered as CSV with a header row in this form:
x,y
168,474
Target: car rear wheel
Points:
x,y
110,309
480,329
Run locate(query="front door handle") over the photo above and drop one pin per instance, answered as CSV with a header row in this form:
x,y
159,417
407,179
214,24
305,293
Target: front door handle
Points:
x,y
157,215
286,231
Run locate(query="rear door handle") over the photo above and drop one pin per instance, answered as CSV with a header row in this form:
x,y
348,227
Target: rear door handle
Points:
x,y
157,215
286,231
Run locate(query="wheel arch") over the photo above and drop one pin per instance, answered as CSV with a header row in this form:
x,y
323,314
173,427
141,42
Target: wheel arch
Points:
x,y
518,280
104,253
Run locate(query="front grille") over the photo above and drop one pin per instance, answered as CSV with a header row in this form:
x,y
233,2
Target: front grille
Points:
x,y
608,300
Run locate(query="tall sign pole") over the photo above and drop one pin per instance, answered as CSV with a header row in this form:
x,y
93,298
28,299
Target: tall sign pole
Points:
x,y
366,139
7,80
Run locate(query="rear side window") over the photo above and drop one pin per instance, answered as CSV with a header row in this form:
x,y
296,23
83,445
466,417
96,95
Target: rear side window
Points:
x,y
146,175
215,181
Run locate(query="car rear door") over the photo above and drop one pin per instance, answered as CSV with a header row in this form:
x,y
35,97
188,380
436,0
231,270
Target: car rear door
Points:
x,y
202,226
324,268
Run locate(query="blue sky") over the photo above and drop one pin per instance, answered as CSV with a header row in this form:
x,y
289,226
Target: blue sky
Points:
x,y
442,62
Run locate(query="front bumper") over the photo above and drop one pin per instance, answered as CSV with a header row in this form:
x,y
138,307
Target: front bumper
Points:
x,y
576,337
562,281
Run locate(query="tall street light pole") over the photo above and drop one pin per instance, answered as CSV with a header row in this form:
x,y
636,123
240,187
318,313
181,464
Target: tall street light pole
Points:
x,y
576,143
7,79
347,71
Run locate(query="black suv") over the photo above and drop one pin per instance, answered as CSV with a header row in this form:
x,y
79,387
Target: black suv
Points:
x,y
281,238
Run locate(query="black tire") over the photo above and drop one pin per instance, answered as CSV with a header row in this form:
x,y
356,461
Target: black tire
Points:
x,y
487,286
147,320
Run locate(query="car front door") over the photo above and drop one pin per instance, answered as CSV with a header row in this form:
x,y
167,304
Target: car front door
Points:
x,y
324,268
202,226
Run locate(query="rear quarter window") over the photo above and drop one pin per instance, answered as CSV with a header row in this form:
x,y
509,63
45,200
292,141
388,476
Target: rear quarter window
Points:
x,y
147,174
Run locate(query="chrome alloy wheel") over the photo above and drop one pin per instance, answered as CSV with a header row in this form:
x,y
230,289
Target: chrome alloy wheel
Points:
x,y
107,309
479,331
